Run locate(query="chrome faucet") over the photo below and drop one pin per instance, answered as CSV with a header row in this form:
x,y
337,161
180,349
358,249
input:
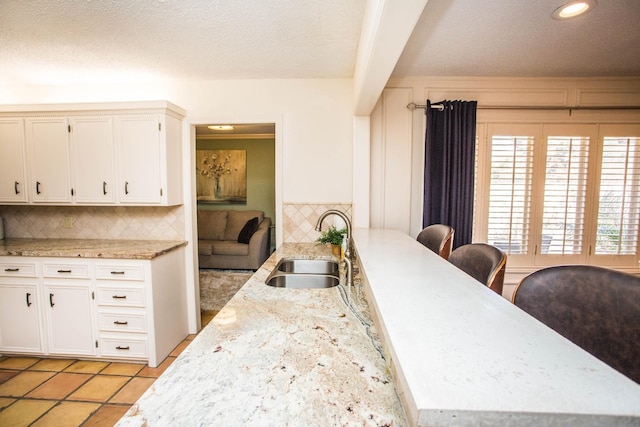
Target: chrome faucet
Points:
x,y
347,252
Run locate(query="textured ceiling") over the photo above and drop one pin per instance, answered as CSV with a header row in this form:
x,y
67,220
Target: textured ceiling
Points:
x,y
520,38
45,41
110,41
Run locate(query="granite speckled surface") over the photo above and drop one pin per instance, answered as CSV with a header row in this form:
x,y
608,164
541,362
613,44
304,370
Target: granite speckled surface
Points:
x,y
88,248
276,357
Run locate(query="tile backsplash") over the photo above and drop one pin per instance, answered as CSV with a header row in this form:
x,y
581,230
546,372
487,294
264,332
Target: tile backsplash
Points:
x,y
299,220
147,223
94,222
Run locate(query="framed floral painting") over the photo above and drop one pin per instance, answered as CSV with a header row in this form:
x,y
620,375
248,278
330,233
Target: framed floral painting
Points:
x,y
221,176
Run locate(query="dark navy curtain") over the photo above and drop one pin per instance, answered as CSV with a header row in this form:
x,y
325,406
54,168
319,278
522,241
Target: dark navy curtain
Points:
x,y
449,167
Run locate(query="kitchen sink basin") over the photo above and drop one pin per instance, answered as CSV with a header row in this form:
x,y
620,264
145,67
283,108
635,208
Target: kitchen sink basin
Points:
x,y
304,274
303,281
308,266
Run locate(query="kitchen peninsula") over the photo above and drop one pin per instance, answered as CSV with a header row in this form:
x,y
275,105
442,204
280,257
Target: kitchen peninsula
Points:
x,y
90,298
460,355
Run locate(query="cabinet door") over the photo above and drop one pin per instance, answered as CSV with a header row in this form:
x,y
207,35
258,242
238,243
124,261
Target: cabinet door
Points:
x,y
13,178
20,318
69,319
48,143
139,147
93,159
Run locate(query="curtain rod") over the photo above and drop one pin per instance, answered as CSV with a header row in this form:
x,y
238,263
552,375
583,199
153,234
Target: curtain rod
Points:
x,y
413,106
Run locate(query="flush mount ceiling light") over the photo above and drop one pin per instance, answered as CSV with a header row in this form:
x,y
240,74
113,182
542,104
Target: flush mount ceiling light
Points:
x,y
220,127
573,9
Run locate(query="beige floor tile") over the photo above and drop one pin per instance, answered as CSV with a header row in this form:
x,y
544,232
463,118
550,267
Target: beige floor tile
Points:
x,y
59,386
6,375
179,348
132,391
18,362
5,401
86,367
99,388
24,412
56,365
106,416
23,383
118,368
67,414
156,372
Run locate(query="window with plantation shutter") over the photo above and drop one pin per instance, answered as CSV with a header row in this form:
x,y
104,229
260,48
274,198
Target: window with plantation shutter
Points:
x,y
510,192
567,160
560,193
619,196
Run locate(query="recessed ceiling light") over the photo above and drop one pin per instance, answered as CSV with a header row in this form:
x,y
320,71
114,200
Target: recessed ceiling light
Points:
x,y
573,9
220,127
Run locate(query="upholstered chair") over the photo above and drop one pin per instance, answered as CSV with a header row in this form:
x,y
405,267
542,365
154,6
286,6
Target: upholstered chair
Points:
x,y
596,308
483,262
438,238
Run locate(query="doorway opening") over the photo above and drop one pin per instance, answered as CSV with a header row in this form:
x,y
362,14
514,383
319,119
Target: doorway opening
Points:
x,y
235,170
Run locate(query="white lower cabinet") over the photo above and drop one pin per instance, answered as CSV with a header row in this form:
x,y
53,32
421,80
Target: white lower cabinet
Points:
x,y
20,312
68,315
112,309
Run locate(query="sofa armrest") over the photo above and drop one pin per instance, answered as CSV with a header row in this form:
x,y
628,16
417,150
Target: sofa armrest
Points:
x,y
260,244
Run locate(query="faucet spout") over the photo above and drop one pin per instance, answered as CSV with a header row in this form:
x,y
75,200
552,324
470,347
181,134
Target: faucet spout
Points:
x,y
345,218
341,214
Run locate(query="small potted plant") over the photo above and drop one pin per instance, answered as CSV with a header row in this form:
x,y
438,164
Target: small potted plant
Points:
x,y
333,236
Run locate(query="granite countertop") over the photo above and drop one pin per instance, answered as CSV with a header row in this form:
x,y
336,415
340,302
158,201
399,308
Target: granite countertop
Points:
x,y
275,357
88,248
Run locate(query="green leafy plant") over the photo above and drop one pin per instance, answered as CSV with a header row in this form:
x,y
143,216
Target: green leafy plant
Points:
x,y
332,235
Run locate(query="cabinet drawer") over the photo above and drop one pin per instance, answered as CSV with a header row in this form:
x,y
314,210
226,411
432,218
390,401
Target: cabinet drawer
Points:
x,y
76,271
125,347
120,296
17,269
122,322
120,272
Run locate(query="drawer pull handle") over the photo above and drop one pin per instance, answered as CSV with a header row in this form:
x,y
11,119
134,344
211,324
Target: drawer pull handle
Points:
x,y
38,187
104,188
117,322
15,187
51,300
119,297
126,187
28,299
11,270
64,271
122,348
117,272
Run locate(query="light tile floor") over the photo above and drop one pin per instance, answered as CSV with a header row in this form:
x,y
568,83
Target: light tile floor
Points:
x,y
70,392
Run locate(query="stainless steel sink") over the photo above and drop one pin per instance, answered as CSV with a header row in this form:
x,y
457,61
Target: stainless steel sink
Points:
x,y
303,281
308,266
304,274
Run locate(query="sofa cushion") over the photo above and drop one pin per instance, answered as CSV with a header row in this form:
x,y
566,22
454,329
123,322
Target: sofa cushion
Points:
x,y
205,247
247,231
211,224
236,220
225,247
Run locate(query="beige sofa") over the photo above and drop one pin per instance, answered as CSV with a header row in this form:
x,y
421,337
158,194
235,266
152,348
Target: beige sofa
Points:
x,y
218,239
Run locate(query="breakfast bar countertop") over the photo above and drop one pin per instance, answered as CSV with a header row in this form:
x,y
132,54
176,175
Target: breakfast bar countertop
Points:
x,y
275,357
88,248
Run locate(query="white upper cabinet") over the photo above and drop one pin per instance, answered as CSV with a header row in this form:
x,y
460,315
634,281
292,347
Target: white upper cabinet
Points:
x,y
92,160
48,148
13,171
139,168
149,159
92,154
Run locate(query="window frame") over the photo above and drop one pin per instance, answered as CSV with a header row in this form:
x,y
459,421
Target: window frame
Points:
x,y
545,124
